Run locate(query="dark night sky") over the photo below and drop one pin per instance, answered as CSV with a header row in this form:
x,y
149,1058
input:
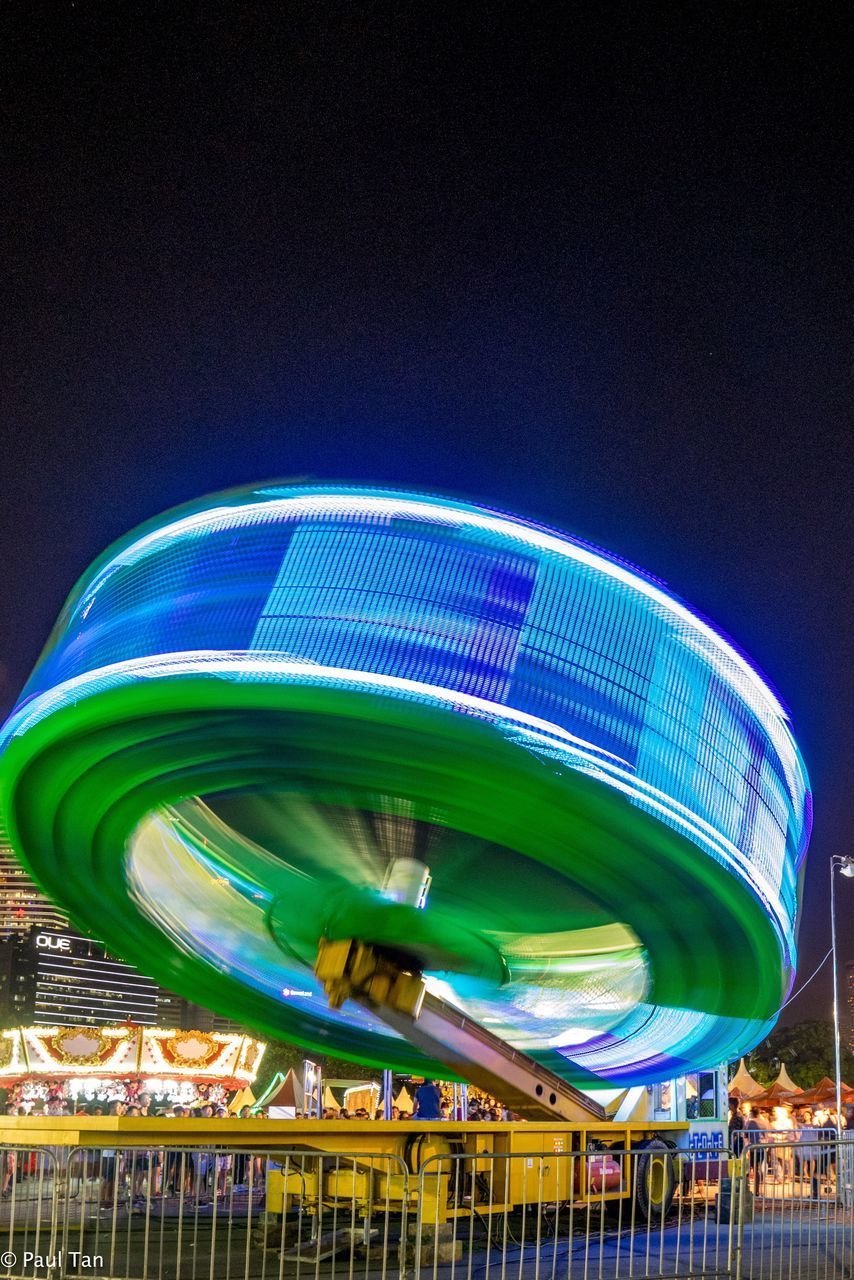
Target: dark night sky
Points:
x,y
587,267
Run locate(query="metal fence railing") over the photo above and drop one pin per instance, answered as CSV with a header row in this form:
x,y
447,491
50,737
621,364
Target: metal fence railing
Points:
x,y
774,1211
574,1215
205,1212
29,1217
795,1216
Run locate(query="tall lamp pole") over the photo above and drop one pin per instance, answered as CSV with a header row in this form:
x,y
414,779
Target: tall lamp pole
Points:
x,y
846,868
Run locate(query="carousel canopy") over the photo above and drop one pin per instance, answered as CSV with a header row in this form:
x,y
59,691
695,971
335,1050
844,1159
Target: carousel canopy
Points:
x,y
124,1051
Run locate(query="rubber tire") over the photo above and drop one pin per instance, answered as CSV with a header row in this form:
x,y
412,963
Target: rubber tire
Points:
x,y
656,1208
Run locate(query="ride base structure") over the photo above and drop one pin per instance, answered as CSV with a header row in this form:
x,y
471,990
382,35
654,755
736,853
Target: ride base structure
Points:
x,y
597,1160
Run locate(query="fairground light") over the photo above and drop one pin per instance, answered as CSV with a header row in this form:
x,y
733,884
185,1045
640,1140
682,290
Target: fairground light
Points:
x,y
253,707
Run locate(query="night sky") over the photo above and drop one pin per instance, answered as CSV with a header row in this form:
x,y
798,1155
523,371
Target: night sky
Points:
x,y
587,267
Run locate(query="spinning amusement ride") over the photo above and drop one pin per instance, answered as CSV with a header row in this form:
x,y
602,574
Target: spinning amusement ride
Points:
x,y
420,784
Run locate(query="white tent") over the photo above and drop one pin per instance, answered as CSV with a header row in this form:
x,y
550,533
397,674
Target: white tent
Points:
x,y
285,1098
743,1083
403,1101
786,1080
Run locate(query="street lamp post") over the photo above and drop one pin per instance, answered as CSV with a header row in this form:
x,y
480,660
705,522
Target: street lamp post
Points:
x,y
846,868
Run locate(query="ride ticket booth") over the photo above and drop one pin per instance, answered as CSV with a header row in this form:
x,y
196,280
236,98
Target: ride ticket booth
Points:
x,y
701,1098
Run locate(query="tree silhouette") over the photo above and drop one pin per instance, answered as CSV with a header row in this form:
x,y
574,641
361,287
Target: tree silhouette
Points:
x,y
807,1050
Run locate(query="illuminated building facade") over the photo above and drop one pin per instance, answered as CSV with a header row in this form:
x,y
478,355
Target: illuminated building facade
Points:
x,y
177,1011
264,701
57,977
62,979
22,906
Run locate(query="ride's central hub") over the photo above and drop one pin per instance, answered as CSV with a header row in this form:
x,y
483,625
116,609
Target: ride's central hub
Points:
x,y
351,970
407,881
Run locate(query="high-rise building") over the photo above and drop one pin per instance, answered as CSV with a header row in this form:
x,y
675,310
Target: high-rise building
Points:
x,y
177,1011
59,978
55,977
22,905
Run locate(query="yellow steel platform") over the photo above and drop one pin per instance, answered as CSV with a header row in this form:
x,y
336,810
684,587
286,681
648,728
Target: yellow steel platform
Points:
x,y
380,1137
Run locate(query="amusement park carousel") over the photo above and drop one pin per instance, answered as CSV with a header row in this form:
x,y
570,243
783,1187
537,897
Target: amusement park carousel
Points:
x,y
61,1069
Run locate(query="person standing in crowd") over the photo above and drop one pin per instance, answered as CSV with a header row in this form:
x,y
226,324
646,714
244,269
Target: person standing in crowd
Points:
x,y
174,1173
10,1163
133,1162
736,1127
222,1161
825,1123
428,1101
109,1163
752,1139
809,1154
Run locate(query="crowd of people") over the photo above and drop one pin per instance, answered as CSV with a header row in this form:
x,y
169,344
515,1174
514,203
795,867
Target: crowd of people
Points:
x,y
206,1175
143,1107
784,1144
431,1101
767,1124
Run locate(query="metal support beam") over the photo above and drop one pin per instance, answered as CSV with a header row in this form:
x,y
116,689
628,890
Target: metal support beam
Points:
x,y
352,970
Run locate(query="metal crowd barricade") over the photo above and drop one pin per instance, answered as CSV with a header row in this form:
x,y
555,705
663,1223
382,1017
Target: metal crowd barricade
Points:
x,y
29,1220
573,1216
795,1215
778,1211
211,1213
